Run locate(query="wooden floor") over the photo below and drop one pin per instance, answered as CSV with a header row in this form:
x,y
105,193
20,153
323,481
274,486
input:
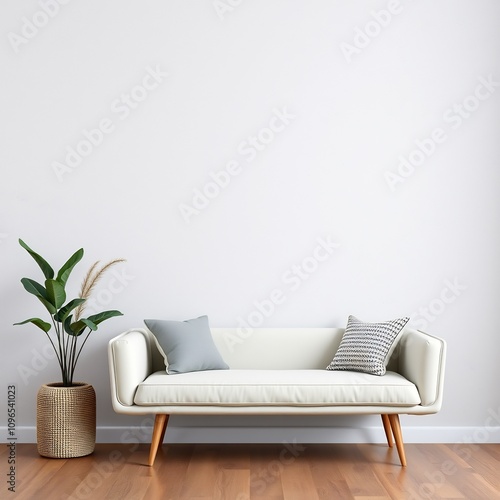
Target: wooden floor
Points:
x,y
271,472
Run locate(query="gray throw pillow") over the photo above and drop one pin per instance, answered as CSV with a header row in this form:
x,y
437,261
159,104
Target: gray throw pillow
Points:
x,y
367,347
186,346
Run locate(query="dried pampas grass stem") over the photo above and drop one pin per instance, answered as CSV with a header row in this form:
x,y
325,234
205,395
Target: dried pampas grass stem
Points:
x,y
90,282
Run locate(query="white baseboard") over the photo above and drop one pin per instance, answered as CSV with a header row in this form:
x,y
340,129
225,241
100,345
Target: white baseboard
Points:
x,y
247,434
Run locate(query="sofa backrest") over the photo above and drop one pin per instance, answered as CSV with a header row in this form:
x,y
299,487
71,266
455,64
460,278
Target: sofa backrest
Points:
x,y
274,348
277,348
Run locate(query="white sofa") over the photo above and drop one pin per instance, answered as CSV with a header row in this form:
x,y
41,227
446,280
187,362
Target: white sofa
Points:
x,y
277,371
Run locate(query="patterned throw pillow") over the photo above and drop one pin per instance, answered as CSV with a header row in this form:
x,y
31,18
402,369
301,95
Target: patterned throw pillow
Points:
x,y
367,347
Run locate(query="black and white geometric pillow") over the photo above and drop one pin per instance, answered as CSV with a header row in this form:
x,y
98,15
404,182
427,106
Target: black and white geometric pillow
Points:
x,y
367,347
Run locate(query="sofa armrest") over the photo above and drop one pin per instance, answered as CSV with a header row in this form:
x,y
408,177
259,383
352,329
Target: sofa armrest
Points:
x,y
422,361
130,362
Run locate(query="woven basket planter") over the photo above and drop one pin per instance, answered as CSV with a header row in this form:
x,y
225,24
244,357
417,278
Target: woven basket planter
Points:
x,y
65,420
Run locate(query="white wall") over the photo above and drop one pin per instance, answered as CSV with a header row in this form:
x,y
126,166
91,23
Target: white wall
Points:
x,y
358,103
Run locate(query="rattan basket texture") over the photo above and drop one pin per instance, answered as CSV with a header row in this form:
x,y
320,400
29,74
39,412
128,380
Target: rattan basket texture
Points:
x,y
66,420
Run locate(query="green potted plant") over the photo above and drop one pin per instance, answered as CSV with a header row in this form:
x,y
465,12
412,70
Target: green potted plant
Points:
x,y
66,410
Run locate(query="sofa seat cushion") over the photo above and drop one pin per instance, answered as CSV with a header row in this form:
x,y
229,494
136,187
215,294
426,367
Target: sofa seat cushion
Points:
x,y
276,388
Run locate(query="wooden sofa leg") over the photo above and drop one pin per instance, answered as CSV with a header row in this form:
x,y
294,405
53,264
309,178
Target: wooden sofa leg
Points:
x,y
162,437
387,429
398,437
159,429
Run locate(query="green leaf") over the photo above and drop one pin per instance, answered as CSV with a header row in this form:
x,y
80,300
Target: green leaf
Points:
x,y
34,288
62,314
55,293
50,307
44,265
79,327
67,325
38,322
65,271
39,291
103,316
